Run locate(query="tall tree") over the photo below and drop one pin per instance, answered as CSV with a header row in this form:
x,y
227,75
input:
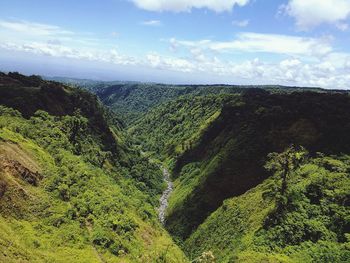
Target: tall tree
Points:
x,y
286,162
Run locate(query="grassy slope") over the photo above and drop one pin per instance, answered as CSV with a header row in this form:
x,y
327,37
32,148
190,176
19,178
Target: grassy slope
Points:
x,y
80,210
312,228
43,227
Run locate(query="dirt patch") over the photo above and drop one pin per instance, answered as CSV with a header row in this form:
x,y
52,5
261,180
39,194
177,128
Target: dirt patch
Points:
x,y
16,169
13,151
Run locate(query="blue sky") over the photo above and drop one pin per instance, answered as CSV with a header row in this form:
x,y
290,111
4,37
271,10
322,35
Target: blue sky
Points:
x,y
290,42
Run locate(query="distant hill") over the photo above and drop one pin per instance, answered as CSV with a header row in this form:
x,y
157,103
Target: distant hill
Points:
x,y
131,100
135,99
89,84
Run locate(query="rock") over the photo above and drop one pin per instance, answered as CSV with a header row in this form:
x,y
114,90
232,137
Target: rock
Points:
x,y
165,196
18,170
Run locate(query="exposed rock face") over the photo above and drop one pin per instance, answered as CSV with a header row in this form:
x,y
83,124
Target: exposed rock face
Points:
x,y
18,170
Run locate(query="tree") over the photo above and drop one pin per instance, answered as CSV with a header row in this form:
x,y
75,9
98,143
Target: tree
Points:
x,y
74,125
286,162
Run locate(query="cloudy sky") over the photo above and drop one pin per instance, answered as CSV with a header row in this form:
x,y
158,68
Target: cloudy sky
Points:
x,y
290,42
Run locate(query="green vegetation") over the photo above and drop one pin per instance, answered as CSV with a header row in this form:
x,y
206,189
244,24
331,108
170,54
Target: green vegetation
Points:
x,y
260,174
217,145
132,100
174,127
65,197
311,226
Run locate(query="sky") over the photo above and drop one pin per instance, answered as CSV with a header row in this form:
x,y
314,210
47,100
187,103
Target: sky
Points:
x,y
287,42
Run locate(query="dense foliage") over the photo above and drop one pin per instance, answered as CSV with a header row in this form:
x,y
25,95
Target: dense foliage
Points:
x,y
29,94
131,100
175,126
218,146
65,197
250,181
312,225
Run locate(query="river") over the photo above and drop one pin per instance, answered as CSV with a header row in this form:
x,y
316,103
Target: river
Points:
x,y
165,196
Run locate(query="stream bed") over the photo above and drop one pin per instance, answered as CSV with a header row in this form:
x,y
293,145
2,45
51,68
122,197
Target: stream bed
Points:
x,y
165,196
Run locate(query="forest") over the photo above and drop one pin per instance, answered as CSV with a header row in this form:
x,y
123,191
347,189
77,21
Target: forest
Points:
x,y
260,173
68,193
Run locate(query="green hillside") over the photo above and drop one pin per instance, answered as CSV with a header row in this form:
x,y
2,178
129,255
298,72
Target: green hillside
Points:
x,y
260,174
309,223
132,100
170,129
225,157
217,146
65,194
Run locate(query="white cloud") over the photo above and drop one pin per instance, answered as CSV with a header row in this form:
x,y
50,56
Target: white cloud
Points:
x,y
169,63
54,42
296,61
187,5
152,23
47,49
330,71
53,50
309,62
311,13
290,63
280,44
34,29
267,43
241,23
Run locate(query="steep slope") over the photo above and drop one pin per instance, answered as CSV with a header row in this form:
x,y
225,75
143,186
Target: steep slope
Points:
x,y
133,100
171,128
313,226
65,194
217,150
228,160
29,94
216,141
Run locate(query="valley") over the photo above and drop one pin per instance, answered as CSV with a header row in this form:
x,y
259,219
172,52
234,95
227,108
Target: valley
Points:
x,y
243,173
164,199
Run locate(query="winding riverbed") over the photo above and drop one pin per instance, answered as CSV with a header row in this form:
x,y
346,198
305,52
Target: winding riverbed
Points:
x,y
165,196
